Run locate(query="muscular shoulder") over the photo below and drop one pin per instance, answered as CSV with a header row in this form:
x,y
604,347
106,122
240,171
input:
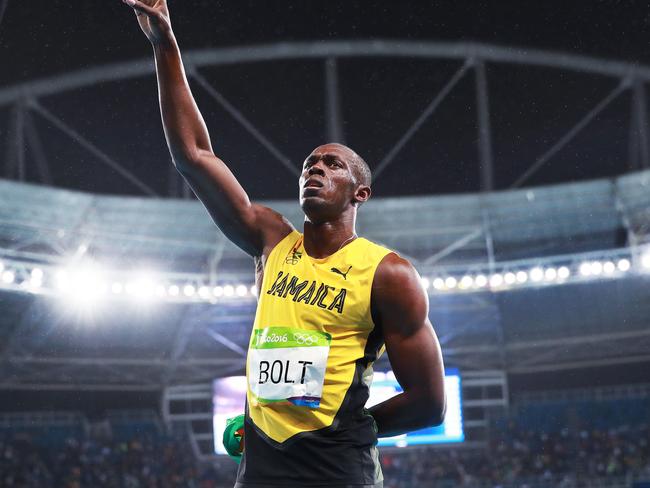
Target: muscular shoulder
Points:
x,y
274,225
397,292
395,271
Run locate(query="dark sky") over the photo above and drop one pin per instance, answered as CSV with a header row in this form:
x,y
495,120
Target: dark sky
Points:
x,y
531,108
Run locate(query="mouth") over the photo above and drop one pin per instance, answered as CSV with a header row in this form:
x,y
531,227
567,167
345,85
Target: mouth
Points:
x,y
313,183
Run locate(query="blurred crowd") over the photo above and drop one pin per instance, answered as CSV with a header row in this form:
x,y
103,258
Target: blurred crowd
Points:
x,y
515,458
520,458
139,463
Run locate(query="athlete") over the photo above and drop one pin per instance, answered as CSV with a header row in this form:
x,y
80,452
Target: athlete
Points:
x,y
329,302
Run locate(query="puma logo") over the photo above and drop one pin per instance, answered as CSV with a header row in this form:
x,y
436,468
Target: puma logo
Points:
x,y
342,273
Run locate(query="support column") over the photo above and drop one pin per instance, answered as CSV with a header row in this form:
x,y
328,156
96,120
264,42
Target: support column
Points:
x,y
332,103
484,130
641,122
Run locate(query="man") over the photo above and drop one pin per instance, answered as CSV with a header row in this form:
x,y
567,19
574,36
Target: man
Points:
x,y
329,302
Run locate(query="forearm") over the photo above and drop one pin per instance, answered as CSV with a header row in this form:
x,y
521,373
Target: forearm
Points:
x,y
406,412
185,129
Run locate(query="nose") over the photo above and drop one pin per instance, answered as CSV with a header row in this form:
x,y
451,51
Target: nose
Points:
x,y
316,169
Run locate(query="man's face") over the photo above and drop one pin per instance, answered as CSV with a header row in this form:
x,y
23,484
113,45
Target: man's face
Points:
x,y
327,183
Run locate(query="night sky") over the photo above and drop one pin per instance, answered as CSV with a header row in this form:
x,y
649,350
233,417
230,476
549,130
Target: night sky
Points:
x,y
531,108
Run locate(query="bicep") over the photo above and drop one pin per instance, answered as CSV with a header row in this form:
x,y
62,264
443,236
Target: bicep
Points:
x,y
250,226
402,307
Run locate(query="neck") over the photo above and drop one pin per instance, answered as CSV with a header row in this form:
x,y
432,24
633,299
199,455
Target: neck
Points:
x,y
322,239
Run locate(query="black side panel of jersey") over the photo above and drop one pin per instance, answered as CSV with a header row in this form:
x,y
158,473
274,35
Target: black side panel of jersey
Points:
x,y
343,454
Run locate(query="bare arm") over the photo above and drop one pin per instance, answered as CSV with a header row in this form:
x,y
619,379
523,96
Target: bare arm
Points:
x,y
254,228
400,307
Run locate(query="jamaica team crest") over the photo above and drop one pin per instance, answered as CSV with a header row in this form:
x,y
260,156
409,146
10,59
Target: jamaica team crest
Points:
x,y
293,257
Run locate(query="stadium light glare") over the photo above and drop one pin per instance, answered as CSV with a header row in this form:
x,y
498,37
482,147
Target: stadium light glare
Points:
x,y
425,283
2,266
481,281
510,278
522,277
596,268
623,265
173,290
228,290
161,291
451,282
8,277
609,267
536,274
62,280
117,288
253,290
83,286
645,260
35,278
550,274
585,269
241,290
466,282
217,291
189,290
439,284
496,280
142,289
204,292
563,272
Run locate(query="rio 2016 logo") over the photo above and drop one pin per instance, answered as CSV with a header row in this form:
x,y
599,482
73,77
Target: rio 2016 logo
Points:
x,y
272,338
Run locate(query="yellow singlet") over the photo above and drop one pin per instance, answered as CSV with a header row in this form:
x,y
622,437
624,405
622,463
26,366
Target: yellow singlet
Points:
x,y
309,368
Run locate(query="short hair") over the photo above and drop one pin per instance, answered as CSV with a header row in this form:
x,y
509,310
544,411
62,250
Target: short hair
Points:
x,y
361,170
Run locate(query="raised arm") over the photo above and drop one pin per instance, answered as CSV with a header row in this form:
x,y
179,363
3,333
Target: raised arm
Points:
x,y
254,228
400,307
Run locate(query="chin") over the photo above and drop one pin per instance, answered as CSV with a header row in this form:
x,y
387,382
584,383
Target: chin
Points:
x,y
316,209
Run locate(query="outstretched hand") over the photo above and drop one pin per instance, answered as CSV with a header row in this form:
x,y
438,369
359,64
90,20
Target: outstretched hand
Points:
x,y
153,17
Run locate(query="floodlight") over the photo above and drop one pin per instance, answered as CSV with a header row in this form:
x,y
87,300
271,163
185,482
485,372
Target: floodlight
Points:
x,y
496,280
645,260
481,281
451,282
550,274
609,267
623,265
204,292
8,277
537,274
466,281
563,272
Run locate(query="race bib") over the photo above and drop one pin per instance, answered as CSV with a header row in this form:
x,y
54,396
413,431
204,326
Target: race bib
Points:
x,y
288,365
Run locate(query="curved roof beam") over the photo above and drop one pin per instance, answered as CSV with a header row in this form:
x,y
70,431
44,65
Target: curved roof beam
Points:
x,y
328,49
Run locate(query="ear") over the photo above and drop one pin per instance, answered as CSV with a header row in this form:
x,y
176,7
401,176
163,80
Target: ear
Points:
x,y
361,195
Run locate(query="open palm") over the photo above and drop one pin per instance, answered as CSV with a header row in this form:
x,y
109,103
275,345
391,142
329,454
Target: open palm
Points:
x,y
153,17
